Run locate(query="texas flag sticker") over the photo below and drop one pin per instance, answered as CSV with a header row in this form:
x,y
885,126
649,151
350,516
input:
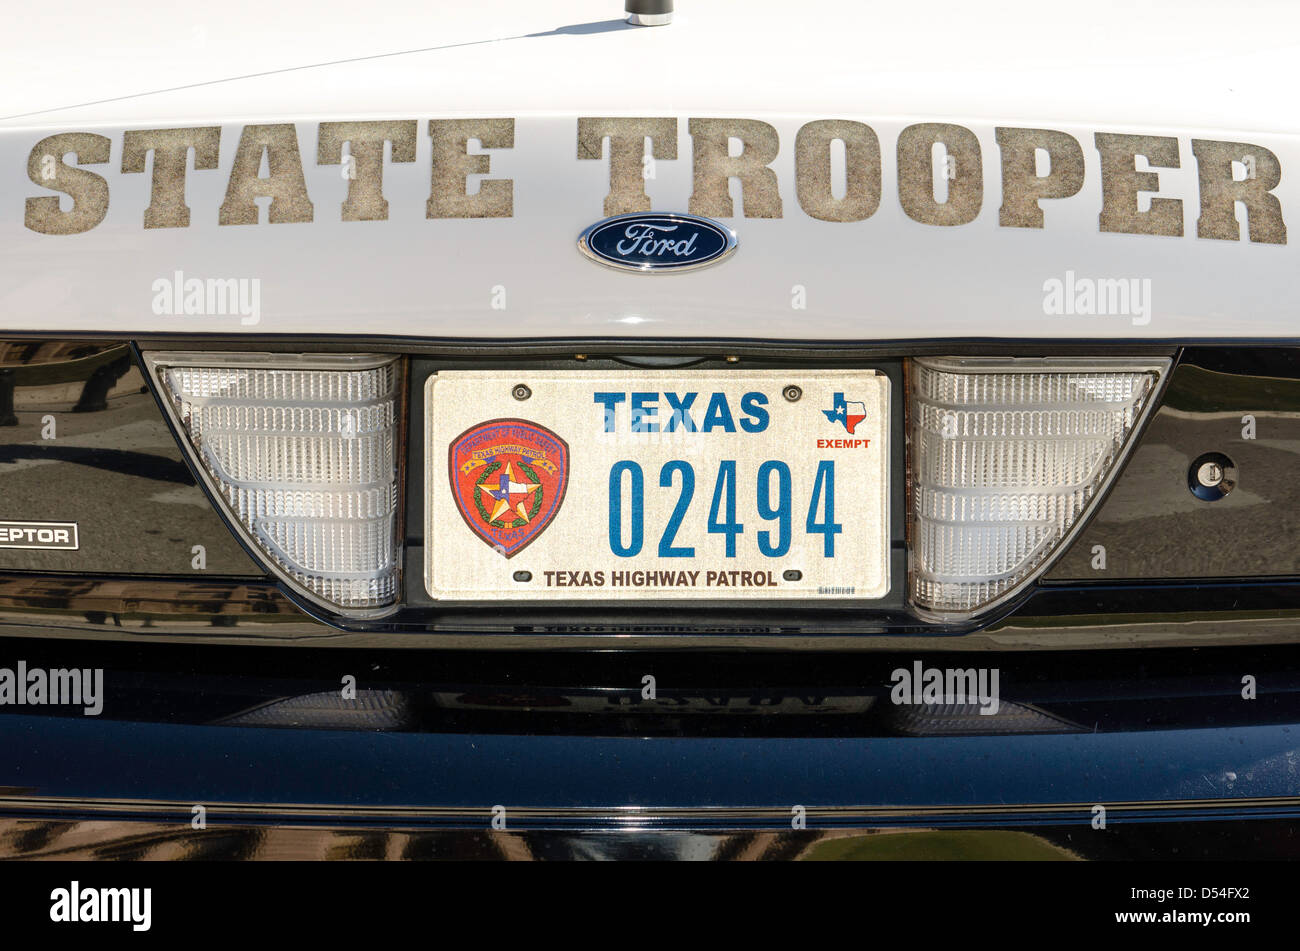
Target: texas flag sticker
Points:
x,y
848,412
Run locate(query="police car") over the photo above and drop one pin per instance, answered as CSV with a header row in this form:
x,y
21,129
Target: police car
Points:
x,y
649,431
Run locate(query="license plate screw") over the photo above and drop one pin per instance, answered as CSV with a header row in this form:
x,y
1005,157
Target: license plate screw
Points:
x,y
792,574
523,576
521,392
792,393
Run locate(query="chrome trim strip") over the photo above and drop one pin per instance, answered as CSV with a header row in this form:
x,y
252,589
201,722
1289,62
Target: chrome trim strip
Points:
x,y
628,817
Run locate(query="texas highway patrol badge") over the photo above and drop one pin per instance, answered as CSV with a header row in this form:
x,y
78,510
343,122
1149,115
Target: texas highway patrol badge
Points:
x,y
508,477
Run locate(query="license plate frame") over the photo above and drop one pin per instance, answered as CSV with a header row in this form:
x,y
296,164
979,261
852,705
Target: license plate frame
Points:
x,y
870,589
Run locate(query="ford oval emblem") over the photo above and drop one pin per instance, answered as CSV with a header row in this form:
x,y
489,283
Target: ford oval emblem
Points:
x,y
653,241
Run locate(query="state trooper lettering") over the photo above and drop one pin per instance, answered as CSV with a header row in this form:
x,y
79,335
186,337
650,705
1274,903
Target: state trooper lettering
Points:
x,y
65,164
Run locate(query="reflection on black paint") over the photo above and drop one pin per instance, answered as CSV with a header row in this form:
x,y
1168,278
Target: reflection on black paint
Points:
x,y
138,464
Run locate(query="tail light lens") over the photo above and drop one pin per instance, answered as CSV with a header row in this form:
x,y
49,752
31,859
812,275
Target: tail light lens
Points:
x,y
303,451
1005,457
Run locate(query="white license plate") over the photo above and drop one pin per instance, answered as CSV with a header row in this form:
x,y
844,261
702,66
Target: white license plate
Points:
x,y
661,484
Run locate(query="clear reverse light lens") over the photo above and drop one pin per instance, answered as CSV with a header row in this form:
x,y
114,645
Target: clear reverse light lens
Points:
x,y
1005,456
303,450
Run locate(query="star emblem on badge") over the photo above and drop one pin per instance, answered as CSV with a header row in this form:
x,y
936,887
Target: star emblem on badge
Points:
x,y
504,493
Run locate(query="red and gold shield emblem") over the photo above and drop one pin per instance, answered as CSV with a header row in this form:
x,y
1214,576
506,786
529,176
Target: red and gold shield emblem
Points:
x,y
508,477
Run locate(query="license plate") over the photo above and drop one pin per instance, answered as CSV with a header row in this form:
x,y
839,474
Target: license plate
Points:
x,y
663,484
